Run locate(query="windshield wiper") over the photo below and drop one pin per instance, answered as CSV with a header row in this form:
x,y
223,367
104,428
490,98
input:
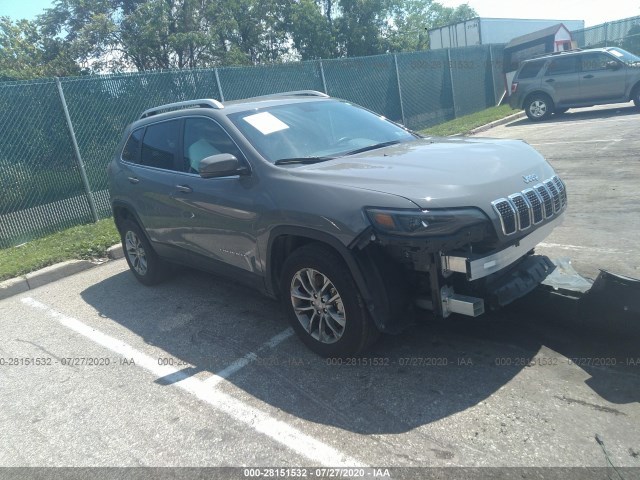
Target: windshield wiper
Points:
x,y
301,160
373,147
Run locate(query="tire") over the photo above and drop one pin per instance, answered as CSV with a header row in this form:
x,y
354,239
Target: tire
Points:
x,y
143,261
560,111
538,107
635,96
329,326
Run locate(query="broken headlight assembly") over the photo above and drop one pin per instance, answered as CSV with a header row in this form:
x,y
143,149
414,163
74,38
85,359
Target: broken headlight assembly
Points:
x,y
417,223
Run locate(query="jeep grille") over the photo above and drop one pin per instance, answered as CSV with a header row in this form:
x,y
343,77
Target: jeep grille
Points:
x,y
520,210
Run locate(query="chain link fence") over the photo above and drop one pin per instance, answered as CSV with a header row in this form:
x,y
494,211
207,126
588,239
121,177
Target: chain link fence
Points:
x,y
57,136
623,33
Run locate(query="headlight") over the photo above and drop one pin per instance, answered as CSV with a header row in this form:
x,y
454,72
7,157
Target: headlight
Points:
x,y
425,222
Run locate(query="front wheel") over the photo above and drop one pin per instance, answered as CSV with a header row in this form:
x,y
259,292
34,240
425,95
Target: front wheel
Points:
x,y
538,107
143,261
323,304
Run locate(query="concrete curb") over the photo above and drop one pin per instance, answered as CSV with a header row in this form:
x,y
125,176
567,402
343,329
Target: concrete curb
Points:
x,y
115,252
49,274
502,121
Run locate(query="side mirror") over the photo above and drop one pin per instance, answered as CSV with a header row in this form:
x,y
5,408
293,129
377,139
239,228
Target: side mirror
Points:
x,y
613,65
221,165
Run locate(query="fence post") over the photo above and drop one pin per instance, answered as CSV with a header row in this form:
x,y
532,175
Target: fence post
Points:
x,y
215,71
324,82
395,61
76,149
606,33
453,90
493,76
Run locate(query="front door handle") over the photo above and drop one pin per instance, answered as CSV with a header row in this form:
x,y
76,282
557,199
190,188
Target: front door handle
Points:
x,y
588,76
184,188
134,180
551,80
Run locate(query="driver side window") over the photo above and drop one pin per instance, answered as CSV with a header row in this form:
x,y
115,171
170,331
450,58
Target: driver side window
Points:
x,y
203,138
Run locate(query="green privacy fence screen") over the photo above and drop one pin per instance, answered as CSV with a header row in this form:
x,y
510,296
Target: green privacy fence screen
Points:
x,y
46,184
623,33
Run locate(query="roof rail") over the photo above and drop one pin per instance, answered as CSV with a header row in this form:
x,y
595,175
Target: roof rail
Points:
x,y
549,54
294,93
203,102
300,93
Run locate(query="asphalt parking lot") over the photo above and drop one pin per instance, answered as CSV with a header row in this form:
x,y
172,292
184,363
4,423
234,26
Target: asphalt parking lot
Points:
x,y
97,370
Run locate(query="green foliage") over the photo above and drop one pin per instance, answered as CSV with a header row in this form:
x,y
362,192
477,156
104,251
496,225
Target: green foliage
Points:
x,y
465,124
85,241
25,52
117,35
631,42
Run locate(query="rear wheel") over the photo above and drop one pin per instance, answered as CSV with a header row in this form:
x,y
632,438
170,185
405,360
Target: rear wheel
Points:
x,y
323,304
538,107
636,96
143,261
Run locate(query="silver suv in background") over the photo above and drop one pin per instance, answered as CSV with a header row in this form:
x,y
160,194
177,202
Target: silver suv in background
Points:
x,y
351,220
579,78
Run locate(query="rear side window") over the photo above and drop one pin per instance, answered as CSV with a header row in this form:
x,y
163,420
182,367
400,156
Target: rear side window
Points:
x,y
530,70
131,152
160,145
563,65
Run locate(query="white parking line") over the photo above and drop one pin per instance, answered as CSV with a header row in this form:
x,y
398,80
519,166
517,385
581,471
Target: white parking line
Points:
x,y
581,248
607,140
239,364
288,436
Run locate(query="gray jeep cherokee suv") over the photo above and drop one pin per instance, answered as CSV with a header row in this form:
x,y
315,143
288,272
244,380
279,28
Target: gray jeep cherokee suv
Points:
x,y
581,78
353,221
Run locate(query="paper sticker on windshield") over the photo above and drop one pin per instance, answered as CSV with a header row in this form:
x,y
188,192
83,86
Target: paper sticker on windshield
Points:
x,y
265,123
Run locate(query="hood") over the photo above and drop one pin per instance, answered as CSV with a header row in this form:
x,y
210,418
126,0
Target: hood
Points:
x,y
438,173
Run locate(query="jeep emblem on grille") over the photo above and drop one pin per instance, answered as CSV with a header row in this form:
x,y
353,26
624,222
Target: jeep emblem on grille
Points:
x,y
530,178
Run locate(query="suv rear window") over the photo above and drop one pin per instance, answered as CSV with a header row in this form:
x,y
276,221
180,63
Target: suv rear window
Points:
x,y
530,69
131,152
160,145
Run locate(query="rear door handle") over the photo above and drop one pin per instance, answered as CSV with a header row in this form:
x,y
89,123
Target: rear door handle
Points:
x,y
588,76
551,80
184,188
134,180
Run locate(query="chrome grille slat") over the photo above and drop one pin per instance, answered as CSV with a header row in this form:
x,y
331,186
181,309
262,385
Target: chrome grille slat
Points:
x,y
523,209
536,205
531,206
507,215
547,201
561,188
555,194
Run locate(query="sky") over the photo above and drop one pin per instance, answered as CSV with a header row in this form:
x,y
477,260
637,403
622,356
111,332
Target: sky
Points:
x,y
592,12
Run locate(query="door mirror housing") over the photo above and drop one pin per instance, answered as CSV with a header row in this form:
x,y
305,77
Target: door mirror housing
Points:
x,y
613,65
221,165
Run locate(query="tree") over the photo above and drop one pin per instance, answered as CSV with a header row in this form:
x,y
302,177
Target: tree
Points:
x,y
412,18
26,53
162,34
631,40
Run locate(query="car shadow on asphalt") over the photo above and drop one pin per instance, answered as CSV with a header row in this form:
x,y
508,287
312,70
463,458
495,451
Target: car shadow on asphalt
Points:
x,y
431,371
580,115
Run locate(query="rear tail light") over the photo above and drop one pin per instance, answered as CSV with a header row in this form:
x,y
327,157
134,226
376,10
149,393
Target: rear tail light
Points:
x,y
514,87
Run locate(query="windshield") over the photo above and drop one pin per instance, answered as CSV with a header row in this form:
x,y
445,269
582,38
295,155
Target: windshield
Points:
x,y
627,57
316,130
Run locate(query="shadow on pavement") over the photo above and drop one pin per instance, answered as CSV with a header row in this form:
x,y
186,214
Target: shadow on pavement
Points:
x,y
581,114
431,371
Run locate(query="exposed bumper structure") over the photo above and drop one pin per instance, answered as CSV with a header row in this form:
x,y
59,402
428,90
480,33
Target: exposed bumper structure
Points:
x,y
478,266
